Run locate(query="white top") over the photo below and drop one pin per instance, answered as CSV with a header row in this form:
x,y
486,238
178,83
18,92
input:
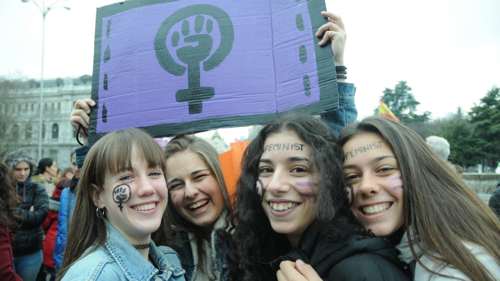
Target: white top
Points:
x,y
422,274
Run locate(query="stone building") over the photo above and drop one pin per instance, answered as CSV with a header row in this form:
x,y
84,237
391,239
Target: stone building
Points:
x,y
19,111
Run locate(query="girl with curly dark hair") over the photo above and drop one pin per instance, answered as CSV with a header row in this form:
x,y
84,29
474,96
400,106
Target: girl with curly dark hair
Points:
x,y
292,206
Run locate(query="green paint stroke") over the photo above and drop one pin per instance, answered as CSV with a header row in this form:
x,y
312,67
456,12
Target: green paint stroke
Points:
x,y
104,115
105,82
307,85
303,54
198,23
107,54
299,22
108,28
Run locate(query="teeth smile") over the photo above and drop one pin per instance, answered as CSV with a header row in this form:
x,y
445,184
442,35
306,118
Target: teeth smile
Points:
x,y
373,209
280,207
197,204
145,207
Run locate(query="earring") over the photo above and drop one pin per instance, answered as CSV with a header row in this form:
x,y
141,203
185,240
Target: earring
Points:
x,y
100,212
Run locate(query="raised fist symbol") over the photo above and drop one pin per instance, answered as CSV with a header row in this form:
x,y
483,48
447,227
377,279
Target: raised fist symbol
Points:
x,y
192,42
195,43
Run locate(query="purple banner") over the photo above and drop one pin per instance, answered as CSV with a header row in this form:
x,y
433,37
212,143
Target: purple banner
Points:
x,y
180,62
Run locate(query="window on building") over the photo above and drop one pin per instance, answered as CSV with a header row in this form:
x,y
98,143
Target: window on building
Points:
x,y
3,128
55,131
32,107
15,132
43,131
29,132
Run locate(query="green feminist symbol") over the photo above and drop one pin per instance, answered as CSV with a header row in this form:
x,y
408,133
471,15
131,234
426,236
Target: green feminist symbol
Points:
x,y
193,44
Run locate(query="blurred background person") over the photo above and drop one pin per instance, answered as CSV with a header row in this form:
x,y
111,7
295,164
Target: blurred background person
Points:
x,y
32,210
8,203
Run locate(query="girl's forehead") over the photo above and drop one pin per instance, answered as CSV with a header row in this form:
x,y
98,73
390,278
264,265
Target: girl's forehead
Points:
x,y
365,145
285,142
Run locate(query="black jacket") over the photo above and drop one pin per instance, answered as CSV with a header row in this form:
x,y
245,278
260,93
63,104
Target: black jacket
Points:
x,y
358,258
32,210
494,201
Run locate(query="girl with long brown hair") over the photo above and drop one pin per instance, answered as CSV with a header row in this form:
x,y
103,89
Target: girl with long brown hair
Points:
x,y
121,198
401,190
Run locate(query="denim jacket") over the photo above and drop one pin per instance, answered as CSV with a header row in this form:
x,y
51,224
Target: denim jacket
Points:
x,y
118,260
346,113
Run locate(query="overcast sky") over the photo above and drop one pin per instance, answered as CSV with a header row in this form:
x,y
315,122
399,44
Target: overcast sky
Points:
x,y
447,50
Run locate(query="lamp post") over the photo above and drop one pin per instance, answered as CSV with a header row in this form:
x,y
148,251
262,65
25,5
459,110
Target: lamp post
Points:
x,y
44,10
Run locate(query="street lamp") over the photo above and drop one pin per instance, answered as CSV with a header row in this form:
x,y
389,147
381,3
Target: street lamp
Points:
x,y
44,10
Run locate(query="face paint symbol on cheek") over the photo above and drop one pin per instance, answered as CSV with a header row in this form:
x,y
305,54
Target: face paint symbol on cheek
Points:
x,y
305,188
121,194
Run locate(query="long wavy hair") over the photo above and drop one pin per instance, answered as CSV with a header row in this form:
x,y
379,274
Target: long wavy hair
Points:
x,y
256,242
173,223
8,198
109,155
439,209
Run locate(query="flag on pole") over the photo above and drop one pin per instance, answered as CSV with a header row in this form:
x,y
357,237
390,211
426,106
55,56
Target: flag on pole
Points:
x,y
385,112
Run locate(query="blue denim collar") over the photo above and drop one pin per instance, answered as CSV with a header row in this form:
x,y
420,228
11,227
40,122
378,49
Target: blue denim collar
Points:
x,y
130,260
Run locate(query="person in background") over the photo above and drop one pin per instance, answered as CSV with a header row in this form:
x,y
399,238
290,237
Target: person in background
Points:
x,y
441,147
8,204
46,174
494,201
31,212
402,191
67,204
67,174
121,198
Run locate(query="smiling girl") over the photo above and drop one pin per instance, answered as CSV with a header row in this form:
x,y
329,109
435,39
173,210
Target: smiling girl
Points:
x,y
399,185
121,197
196,223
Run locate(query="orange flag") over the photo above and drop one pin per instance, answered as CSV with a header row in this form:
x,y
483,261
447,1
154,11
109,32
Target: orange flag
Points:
x,y
385,112
230,162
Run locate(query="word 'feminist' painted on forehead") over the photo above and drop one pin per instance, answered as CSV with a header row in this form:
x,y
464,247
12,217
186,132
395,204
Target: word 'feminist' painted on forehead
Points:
x,y
362,149
283,147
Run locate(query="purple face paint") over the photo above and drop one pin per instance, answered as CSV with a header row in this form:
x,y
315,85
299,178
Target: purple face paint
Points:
x,y
305,188
121,194
395,182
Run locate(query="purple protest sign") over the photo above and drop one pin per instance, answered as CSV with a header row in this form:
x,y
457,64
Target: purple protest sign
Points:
x,y
183,66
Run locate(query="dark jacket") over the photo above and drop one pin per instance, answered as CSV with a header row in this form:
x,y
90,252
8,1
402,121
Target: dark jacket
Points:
x,y
494,201
32,211
355,259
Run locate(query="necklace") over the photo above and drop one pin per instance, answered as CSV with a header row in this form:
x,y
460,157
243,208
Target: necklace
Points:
x,y
141,246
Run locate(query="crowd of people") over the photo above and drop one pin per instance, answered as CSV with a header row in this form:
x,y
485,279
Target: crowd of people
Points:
x,y
319,198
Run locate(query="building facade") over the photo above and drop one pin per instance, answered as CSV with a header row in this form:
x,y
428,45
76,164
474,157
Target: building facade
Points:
x,y
19,109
